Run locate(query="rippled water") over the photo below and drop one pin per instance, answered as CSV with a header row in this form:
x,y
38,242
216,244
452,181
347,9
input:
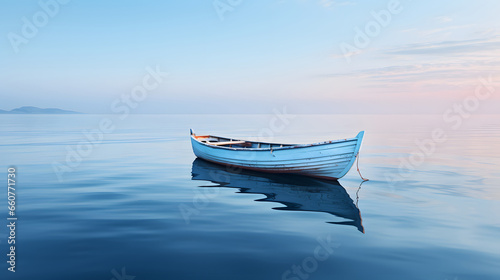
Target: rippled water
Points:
x,y
138,204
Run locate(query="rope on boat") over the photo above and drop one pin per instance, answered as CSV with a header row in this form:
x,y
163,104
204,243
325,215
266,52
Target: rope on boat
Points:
x,y
357,166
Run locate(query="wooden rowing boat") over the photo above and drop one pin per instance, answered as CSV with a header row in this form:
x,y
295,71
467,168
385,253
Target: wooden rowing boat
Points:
x,y
328,160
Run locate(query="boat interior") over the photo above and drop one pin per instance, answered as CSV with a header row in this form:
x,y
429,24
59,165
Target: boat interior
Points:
x,y
233,143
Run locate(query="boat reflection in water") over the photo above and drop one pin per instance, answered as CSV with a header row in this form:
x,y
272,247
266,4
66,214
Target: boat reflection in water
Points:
x,y
297,193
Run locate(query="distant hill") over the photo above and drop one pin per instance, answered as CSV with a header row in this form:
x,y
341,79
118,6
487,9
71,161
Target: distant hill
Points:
x,y
36,110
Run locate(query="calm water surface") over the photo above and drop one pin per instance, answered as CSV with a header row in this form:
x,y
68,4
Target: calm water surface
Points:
x,y
138,204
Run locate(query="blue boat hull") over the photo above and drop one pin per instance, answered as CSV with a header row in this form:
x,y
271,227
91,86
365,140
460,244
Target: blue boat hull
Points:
x,y
329,160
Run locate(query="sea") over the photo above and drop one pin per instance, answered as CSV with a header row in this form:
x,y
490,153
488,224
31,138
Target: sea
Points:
x,y
124,198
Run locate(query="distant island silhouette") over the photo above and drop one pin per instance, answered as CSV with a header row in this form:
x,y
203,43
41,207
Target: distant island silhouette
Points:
x,y
36,110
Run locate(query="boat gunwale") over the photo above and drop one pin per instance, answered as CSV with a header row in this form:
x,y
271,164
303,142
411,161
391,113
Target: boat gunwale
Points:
x,y
289,146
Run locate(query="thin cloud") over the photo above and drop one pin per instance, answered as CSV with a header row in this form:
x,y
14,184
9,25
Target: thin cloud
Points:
x,y
444,29
409,30
423,79
448,64
443,19
448,47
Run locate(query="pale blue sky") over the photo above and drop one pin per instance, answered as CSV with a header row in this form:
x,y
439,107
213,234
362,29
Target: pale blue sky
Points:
x,y
261,55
